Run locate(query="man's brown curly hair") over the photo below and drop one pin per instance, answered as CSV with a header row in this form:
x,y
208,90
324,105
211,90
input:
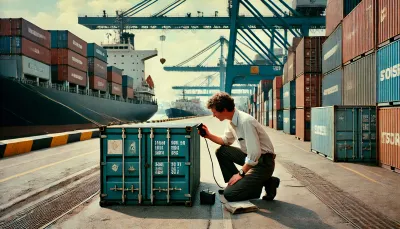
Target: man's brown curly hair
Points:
x,y
221,101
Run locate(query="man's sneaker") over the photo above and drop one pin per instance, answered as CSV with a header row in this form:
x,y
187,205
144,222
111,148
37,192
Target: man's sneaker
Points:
x,y
270,188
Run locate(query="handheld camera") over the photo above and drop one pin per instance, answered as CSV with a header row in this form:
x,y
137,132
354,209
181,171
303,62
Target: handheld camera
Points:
x,y
201,130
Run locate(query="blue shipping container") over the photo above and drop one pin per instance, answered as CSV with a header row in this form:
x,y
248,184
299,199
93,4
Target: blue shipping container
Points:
x,y
278,120
344,133
94,50
388,73
289,121
10,45
127,81
289,95
332,51
149,164
332,88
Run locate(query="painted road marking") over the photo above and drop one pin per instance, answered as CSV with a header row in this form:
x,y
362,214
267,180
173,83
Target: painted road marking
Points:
x,y
46,166
360,174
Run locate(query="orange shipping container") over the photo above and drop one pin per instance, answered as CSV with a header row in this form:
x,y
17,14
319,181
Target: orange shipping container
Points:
x,y
303,124
389,20
308,90
389,136
114,77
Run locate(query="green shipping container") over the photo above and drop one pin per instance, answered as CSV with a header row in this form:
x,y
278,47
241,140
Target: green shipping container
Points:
x,y
344,133
149,164
289,121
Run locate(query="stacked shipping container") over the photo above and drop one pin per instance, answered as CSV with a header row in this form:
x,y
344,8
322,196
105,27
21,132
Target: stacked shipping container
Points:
x,y
25,47
68,58
262,96
97,69
289,106
127,85
277,92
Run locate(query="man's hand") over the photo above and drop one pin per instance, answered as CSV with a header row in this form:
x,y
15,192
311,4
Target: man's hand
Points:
x,y
206,130
234,179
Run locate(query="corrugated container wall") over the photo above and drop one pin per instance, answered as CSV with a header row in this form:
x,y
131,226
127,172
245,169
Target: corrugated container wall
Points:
x,y
309,55
359,30
289,95
344,133
332,51
65,39
336,10
172,164
308,90
66,73
114,69
127,81
25,47
303,124
24,28
97,83
277,83
289,121
278,120
389,136
291,66
332,88
68,57
271,119
127,92
285,73
18,66
388,78
389,20
359,82
97,67
94,50
114,77
115,89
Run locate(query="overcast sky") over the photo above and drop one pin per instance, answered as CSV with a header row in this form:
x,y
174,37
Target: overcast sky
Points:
x,y
178,46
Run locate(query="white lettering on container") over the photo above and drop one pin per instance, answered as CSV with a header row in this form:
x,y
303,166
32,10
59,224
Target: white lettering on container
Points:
x,y
100,52
320,130
77,61
100,84
35,50
99,66
286,120
390,138
286,94
331,52
77,44
34,67
116,88
36,34
331,90
77,76
391,72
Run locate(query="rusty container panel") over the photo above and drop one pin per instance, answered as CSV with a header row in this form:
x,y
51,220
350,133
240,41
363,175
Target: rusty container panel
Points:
x,y
25,47
115,89
277,83
97,67
97,83
68,57
67,73
303,124
334,15
388,20
291,66
309,90
5,27
114,77
22,27
309,55
359,82
389,136
359,31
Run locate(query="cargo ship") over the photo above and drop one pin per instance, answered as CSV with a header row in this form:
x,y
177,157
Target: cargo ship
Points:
x,y
184,107
52,81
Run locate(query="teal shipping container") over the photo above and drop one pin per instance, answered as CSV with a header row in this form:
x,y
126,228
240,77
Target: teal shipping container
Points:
x,y
289,95
344,133
278,120
94,50
270,100
289,121
149,164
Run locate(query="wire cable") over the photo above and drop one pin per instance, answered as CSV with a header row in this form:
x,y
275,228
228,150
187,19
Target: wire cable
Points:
x,y
212,164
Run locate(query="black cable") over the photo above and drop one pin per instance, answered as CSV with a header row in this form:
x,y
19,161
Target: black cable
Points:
x,y
212,164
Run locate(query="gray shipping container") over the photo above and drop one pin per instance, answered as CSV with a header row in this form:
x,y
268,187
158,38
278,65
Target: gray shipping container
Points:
x,y
21,66
359,82
332,51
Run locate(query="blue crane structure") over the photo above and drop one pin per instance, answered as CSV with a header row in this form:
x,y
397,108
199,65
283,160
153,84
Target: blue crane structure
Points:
x,y
290,22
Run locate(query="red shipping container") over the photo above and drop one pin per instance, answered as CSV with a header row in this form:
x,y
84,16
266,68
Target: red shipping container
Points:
x,y
97,67
309,90
277,93
115,89
303,124
127,92
334,15
97,83
114,77
5,27
277,83
277,104
68,57
30,49
389,136
70,74
389,20
309,55
359,31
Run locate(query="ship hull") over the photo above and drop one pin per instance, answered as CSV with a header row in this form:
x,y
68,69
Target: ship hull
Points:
x,y
28,110
178,113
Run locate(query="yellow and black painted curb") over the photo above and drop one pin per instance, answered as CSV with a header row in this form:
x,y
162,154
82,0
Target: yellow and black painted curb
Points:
x,y
25,145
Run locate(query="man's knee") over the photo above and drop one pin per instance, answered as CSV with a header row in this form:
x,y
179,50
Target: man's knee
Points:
x,y
219,151
230,195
